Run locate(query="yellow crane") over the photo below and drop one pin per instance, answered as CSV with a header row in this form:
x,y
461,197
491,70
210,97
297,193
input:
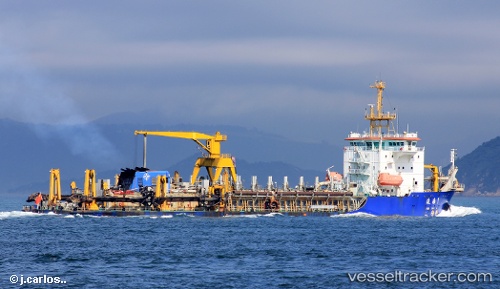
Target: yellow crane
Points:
x,y
435,176
215,162
89,188
161,191
55,187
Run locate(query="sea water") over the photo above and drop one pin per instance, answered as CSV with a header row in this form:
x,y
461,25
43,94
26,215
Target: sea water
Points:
x,y
266,251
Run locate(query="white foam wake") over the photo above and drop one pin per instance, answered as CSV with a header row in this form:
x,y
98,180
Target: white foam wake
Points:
x,y
17,214
73,216
272,215
252,216
354,215
459,211
242,216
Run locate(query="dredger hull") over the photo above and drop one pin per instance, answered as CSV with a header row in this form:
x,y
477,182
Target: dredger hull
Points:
x,y
421,204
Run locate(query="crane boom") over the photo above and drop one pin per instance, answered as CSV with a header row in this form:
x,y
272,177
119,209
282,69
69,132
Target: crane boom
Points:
x,y
215,162
212,145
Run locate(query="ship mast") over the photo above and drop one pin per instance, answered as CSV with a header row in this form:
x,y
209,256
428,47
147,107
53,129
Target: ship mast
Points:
x,y
379,119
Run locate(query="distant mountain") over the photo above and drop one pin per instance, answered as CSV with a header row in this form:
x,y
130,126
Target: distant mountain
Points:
x,y
479,169
29,151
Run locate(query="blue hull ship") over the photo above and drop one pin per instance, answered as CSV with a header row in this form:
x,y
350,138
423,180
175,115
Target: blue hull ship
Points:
x,y
383,175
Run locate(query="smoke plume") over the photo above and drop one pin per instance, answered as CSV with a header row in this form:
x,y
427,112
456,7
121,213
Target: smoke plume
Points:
x,y
27,95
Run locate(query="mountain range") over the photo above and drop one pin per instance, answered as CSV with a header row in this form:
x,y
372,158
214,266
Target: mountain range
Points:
x,y
478,169
29,151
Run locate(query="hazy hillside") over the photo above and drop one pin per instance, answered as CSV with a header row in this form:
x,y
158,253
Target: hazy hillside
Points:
x,y
479,169
28,152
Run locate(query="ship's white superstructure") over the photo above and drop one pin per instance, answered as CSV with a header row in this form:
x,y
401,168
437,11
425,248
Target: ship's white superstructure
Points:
x,y
382,161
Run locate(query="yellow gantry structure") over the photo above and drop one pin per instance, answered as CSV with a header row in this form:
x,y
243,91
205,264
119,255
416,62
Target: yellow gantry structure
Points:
x,y
89,188
161,187
161,191
55,187
215,162
379,119
435,176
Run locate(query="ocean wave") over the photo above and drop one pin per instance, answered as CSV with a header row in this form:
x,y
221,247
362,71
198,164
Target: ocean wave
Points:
x,y
184,215
354,215
252,216
98,217
459,211
272,215
17,214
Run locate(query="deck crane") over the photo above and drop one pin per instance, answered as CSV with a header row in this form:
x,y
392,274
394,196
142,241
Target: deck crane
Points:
x,y
435,176
215,162
55,187
89,189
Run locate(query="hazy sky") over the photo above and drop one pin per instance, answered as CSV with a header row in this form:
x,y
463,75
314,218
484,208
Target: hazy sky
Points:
x,y
301,69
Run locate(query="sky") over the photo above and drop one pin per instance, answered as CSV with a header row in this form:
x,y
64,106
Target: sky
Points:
x,y
300,69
